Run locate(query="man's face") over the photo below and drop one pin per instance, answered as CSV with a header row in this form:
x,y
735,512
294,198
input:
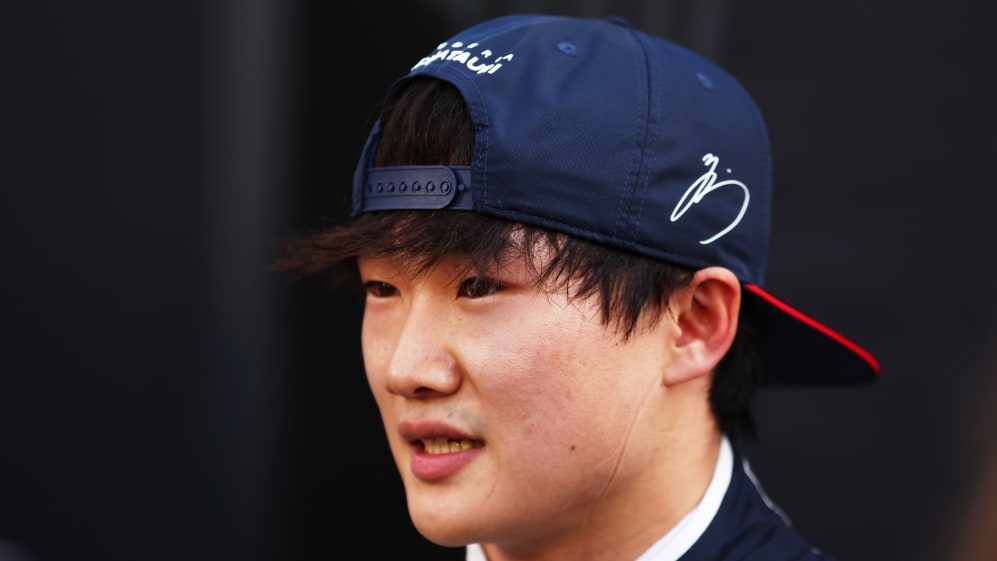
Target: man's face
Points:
x,y
513,414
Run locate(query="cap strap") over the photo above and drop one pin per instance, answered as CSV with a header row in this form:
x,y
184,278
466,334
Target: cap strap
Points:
x,y
417,187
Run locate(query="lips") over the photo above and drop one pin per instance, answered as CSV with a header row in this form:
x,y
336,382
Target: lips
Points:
x,y
440,450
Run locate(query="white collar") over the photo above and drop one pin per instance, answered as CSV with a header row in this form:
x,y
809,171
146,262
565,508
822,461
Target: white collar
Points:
x,y
680,538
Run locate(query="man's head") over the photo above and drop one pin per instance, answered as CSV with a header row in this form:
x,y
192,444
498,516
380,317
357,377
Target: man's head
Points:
x,y
562,228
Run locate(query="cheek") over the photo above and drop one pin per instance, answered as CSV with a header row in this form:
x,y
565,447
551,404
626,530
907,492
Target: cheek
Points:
x,y
548,387
560,412
376,351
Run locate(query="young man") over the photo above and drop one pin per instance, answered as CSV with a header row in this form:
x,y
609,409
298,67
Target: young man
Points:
x,y
562,227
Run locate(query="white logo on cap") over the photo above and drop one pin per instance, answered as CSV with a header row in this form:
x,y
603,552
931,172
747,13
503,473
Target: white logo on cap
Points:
x,y
458,53
705,185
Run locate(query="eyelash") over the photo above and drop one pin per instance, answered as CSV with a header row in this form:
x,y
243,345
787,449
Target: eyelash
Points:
x,y
379,289
475,287
479,287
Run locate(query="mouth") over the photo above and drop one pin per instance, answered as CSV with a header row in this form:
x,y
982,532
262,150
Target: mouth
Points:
x,y
435,446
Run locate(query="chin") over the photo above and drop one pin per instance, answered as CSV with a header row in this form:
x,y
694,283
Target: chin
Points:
x,y
446,537
447,530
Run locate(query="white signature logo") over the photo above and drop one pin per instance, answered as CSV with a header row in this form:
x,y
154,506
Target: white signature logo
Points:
x,y
461,54
705,185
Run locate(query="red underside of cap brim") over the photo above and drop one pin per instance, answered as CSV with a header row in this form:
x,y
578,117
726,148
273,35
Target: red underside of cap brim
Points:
x,y
802,351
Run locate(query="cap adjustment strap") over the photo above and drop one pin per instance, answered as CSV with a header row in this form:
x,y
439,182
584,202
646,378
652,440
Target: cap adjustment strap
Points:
x,y
417,187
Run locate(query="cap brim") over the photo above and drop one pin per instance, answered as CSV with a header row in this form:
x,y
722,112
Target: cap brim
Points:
x,y
801,351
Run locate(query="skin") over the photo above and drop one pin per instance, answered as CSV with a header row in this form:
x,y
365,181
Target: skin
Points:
x,y
586,446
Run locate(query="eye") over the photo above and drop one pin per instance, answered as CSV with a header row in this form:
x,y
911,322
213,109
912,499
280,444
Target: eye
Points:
x,y
379,289
478,287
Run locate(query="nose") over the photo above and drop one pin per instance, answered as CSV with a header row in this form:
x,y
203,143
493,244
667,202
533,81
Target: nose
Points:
x,y
423,362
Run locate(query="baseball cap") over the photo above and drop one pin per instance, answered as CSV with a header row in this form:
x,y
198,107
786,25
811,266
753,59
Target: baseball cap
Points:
x,y
593,128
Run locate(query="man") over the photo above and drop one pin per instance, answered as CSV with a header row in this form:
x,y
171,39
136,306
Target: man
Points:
x,y
562,227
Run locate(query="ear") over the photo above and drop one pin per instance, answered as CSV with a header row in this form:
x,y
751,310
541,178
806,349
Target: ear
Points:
x,y
706,314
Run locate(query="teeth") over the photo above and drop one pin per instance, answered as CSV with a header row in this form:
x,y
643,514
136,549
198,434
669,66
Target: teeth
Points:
x,y
445,446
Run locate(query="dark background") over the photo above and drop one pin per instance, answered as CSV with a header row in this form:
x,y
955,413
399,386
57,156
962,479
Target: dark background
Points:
x,y
162,397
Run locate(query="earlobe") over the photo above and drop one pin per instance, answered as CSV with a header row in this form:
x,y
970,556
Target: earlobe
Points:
x,y
706,313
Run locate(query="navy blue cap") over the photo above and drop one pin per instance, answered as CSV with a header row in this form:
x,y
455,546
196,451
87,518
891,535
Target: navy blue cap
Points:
x,y
595,129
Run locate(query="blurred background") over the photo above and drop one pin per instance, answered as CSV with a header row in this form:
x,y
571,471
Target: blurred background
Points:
x,y
163,397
